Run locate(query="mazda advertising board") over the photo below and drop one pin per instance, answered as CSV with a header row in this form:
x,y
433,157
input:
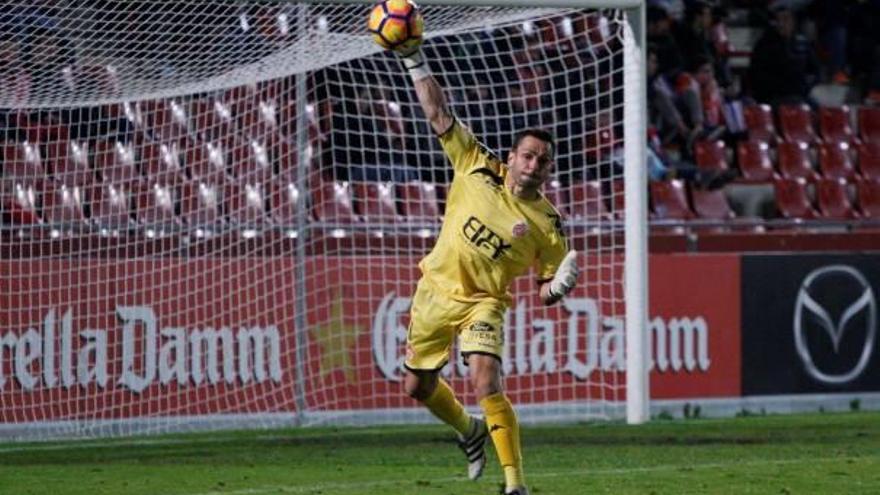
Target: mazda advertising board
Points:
x,y
810,324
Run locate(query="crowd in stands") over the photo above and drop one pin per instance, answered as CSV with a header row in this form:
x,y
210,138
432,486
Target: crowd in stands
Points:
x,y
764,109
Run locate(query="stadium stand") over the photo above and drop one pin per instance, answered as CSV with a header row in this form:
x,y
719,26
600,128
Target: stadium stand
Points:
x,y
869,197
376,202
869,123
835,125
332,202
755,162
586,202
833,200
869,159
419,202
793,199
669,200
796,122
759,123
711,155
835,160
795,161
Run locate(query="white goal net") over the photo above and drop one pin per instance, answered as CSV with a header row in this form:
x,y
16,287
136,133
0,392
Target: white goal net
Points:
x,y
213,211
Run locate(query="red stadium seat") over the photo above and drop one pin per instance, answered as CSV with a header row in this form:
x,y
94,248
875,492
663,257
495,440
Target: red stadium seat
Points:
x,y
759,122
155,205
557,195
283,199
869,197
618,198
794,161
133,113
586,201
169,119
419,202
669,200
260,121
711,155
111,206
332,202
212,119
755,164
376,201
246,204
63,204
22,161
288,159
869,124
711,205
796,122
833,200
200,204
116,163
869,159
19,202
161,163
792,199
250,162
835,160
69,162
207,161
835,126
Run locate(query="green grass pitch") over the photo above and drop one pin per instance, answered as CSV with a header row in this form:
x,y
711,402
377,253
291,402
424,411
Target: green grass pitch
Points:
x,y
798,454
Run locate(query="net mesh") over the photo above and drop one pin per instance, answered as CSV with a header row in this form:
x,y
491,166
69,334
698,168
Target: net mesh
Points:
x,y
213,211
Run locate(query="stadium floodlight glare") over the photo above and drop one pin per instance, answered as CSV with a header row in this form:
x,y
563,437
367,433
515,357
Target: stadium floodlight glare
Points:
x,y
213,210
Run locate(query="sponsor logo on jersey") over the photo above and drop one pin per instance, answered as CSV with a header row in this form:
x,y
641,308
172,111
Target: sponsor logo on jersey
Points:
x,y
480,326
484,239
520,229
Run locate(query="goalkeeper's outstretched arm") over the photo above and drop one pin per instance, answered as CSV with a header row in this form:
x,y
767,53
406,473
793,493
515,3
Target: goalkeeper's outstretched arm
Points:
x,y
430,93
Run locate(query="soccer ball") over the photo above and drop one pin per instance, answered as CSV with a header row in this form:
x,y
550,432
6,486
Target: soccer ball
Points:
x,y
396,25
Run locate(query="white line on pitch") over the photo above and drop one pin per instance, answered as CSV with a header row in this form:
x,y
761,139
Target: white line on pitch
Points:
x,y
172,441
555,474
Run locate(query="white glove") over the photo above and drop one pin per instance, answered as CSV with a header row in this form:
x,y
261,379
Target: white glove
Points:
x,y
412,59
566,275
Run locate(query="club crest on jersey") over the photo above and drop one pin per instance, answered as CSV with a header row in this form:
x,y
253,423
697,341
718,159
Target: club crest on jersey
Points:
x,y
520,229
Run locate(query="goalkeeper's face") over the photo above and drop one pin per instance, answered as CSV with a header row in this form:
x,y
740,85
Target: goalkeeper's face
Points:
x,y
530,163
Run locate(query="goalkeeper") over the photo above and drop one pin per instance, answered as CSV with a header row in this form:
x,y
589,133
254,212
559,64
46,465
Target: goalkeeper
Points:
x,y
497,225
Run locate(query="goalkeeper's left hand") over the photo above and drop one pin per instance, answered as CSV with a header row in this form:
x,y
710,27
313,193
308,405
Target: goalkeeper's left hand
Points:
x,y
566,276
411,57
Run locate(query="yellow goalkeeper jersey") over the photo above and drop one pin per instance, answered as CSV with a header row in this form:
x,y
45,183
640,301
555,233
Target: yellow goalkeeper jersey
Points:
x,y
489,236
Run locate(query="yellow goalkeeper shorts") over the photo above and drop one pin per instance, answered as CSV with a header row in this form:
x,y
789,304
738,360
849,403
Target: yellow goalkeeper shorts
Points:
x,y
435,320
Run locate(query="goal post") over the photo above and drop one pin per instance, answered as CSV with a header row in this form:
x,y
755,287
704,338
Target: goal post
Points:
x,y
211,212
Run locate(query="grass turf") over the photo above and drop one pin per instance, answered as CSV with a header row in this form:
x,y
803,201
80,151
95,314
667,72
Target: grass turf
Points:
x,y
797,454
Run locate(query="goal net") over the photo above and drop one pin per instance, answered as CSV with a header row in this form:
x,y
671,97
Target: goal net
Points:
x,y
213,211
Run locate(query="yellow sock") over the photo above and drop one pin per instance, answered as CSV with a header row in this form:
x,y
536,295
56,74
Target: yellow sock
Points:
x,y
504,429
445,406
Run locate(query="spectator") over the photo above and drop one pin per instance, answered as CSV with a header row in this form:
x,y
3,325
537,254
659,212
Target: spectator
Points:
x,y
693,36
783,66
661,166
864,47
677,113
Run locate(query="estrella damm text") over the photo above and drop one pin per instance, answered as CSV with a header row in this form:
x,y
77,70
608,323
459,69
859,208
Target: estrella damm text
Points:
x,y
483,238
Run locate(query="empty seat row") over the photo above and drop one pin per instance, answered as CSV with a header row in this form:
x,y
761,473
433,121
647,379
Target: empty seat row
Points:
x,y
795,198
798,123
756,161
73,163
205,204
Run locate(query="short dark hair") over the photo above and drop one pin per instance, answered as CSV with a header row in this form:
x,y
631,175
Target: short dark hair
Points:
x,y
542,134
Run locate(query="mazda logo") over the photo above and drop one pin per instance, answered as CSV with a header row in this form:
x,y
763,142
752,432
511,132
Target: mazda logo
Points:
x,y
864,303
